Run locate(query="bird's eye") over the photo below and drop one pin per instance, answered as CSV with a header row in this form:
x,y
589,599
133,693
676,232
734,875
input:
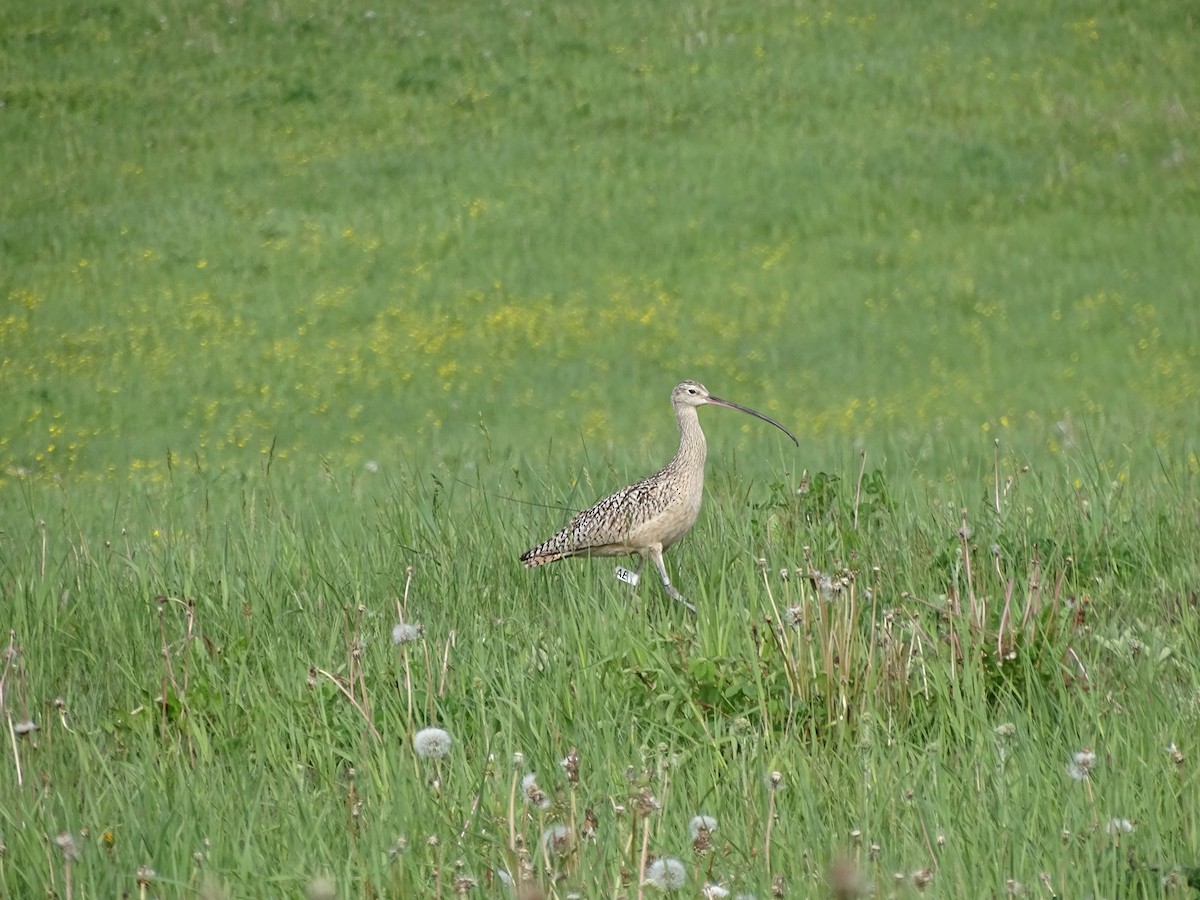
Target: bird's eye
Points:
x,y
691,390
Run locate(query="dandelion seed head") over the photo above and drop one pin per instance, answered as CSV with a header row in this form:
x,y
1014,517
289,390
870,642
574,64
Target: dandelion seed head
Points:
x,y
431,743
25,727
534,795
321,888
795,615
824,585
1080,766
1119,826
557,839
847,880
712,891
1006,730
775,781
146,876
667,874
65,842
398,848
407,633
701,823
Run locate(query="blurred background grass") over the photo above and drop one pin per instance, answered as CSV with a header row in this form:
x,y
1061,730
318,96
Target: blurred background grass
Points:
x,y
360,234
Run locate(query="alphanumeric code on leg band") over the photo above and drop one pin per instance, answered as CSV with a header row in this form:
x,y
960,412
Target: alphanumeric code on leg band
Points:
x,y
626,576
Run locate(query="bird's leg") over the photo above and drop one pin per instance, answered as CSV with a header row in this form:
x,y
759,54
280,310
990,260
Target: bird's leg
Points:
x,y
655,551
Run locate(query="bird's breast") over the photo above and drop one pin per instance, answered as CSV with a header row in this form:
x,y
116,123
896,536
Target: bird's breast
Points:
x,y
672,512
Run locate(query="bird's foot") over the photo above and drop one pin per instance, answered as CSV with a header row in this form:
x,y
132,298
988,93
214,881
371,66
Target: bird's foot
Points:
x,y
675,595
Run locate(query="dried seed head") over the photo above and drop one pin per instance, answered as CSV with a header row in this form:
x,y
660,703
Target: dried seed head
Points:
x,y
557,840
534,795
570,766
590,824
464,884
646,803
701,829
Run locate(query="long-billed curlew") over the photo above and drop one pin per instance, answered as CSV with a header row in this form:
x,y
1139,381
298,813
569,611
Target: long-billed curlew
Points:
x,y
648,517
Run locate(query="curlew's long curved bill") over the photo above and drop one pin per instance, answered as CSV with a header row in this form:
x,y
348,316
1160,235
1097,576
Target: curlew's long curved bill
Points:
x,y
731,405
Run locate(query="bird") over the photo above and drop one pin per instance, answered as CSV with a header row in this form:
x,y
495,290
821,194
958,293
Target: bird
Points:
x,y
649,516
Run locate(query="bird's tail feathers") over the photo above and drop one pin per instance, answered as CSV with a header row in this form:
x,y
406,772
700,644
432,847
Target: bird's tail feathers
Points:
x,y
539,557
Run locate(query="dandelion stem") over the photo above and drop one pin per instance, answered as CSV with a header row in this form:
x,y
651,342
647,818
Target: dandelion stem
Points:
x,y
12,736
451,641
996,466
770,825
642,861
777,632
512,811
349,696
862,467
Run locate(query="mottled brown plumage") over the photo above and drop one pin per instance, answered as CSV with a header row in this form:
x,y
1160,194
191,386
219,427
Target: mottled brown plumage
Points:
x,y
648,517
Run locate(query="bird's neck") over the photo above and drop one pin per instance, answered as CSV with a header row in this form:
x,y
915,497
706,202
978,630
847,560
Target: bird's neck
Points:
x,y
692,446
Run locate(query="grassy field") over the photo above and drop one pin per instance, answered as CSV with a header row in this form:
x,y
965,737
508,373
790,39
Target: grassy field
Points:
x,y
315,316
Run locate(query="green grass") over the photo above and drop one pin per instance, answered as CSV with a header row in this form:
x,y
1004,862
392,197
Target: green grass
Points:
x,y
303,301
